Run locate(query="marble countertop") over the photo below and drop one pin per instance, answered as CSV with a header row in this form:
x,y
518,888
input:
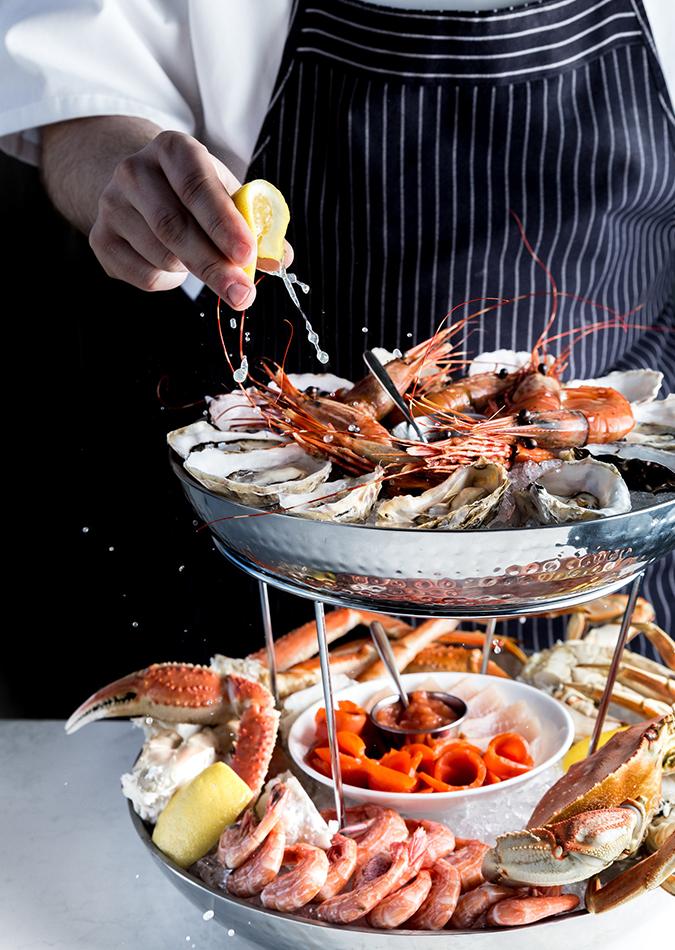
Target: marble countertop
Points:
x,y
75,876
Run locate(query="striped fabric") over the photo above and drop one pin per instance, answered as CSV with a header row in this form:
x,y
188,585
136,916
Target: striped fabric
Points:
x,y
402,141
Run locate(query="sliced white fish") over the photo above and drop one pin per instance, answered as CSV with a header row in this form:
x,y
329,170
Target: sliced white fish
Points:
x,y
487,701
517,717
184,440
638,386
468,687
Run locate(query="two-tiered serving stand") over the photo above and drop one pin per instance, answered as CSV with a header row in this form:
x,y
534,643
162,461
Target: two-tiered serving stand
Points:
x,y
475,574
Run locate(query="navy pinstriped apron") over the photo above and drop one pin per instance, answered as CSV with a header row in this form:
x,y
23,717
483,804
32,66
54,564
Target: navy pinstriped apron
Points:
x,y
402,140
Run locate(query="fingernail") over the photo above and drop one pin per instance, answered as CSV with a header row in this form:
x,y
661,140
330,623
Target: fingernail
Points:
x,y
243,253
237,294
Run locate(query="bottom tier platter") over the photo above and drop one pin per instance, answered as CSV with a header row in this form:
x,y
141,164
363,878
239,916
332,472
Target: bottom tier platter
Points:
x,y
268,928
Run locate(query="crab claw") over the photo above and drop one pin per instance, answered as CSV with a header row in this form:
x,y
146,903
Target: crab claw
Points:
x,y
565,851
172,692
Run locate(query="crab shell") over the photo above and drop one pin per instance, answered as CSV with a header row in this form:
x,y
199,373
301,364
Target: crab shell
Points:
x,y
629,766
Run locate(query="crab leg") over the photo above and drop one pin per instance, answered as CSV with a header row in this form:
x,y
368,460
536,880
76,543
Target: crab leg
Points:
x,y
349,658
643,876
662,643
475,638
301,644
650,684
622,696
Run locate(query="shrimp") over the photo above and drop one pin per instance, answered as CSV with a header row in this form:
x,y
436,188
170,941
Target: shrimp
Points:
x,y
297,887
468,394
384,826
440,840
368,396
261,868
468,860
341,864
472,905
396,908
345,908
442,899
238,842
514,912
596,414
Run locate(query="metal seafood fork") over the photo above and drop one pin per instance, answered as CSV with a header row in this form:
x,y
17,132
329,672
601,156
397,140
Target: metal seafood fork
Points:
x,y
380,373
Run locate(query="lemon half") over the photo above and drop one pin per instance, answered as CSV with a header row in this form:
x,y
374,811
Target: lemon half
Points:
x,y
264,209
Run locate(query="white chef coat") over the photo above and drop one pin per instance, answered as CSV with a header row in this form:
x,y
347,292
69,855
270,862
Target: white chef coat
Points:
x,y
206,67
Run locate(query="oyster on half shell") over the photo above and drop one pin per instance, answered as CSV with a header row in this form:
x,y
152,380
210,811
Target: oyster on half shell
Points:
x,y
202,433
466,499
578,491
257,477
347,500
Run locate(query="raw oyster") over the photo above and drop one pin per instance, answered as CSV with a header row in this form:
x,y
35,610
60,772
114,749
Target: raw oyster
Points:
x,y
578,491
467,499
236,410
642,468
347,500
638,386
257,477
202,433
655,424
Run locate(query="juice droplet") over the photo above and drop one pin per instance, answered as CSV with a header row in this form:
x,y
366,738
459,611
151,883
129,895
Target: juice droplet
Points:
x,y
397,353
322,356
328,438
312,335
241,373
233,323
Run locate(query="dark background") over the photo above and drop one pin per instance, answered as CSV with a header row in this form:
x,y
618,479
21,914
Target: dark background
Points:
x,y
108,571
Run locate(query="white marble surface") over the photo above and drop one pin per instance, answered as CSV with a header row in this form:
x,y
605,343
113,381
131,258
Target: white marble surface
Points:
x,y
75,877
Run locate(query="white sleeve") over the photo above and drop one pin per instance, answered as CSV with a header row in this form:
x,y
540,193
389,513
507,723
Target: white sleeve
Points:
x,y
78,58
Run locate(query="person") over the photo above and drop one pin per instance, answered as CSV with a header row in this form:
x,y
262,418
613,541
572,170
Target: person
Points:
x,y
403,136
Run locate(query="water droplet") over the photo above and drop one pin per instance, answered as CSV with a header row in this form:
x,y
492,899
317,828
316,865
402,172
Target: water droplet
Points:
x,y
322,356
233,323
364,329
522,620
202,314
111,548
181,568
187,939
247,337
230,932
328,438
194,522
208,915
241,373
134,623
137,876
85,530
409,335
397,353
353,428
65,784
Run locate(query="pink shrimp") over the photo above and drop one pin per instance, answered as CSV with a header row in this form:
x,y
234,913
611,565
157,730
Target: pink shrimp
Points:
x,y
472,905
383,826
514,912
396,908
468,859
238,842
261,868
342,862
345,908
440,840
297,887
441,901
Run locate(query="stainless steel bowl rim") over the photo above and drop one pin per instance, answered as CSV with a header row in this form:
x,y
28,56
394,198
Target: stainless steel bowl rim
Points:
x,y
437,730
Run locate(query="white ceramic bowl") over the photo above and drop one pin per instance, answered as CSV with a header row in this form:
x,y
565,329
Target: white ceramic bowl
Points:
x,y
556,736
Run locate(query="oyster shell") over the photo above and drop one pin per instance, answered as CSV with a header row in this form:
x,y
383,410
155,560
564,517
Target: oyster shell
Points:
x,y
496,360
202,433
257,477
467,499
578,491
236,410
638,386
325,383
347,500
655,424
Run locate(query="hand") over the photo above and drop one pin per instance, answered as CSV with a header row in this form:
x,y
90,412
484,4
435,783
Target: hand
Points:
x,y
167,210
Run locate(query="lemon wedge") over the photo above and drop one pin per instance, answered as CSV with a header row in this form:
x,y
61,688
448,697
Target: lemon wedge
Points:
x,y
199,812
579,750
264,209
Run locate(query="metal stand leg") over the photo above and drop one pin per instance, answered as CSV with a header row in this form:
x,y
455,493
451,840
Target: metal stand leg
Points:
x,y
269,639
327,684
487,646
616,660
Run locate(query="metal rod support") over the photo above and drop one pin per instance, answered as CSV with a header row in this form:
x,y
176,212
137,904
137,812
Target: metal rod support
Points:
x,y
327,684
487,646
616,660
269,638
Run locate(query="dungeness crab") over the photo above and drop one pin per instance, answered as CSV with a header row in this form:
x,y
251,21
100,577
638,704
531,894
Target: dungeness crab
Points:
x,y
598,813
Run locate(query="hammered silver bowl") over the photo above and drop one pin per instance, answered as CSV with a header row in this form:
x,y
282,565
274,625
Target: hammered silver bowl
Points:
x,y
473,573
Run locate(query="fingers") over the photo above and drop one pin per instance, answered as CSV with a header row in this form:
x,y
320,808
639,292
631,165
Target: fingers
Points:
x,y
121,261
